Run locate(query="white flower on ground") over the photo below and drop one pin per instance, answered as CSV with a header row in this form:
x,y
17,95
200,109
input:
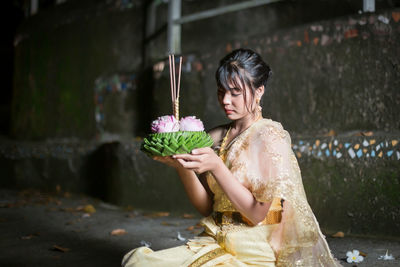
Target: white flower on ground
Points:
x,y
180,238
190,123
354,256
386,257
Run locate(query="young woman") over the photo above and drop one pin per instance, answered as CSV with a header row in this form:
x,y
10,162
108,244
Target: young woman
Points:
x,y
248,186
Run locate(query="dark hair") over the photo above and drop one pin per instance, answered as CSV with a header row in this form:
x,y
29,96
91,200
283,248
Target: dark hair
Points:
x,y
240,68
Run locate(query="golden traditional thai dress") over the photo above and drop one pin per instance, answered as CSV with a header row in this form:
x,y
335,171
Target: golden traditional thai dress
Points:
x,y
261,158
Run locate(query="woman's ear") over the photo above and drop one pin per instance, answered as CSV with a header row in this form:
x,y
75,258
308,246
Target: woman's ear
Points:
x,y
260,91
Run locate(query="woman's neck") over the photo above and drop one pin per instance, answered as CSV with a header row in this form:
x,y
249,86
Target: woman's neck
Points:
x,y
243,123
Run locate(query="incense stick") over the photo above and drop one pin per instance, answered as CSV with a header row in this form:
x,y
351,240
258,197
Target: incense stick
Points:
x,y
179,75
170,77
174,88
173,77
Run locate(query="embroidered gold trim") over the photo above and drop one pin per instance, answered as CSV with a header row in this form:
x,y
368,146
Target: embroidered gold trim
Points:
x,y
274,214
207,257
222,151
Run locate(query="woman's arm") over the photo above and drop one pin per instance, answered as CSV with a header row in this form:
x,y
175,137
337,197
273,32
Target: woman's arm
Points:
x,y
240,196
205,159
197,193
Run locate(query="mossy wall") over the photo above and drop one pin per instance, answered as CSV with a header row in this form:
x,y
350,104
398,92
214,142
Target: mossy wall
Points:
x,y
365,203
59,55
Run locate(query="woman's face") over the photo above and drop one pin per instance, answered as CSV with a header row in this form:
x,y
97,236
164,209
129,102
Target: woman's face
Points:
x,y
233,102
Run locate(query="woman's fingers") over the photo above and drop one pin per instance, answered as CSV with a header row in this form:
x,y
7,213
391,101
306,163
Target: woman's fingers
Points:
x,y
192,165
200,160
203,150
187,157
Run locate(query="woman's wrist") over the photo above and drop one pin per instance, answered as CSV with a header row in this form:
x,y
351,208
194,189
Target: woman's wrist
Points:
x,y
182,171
218,167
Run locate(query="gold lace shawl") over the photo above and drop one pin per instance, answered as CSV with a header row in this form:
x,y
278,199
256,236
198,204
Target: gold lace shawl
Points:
x,y
261,158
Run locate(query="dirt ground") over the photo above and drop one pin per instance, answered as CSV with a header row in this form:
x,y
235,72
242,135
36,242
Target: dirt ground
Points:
x,y
38,229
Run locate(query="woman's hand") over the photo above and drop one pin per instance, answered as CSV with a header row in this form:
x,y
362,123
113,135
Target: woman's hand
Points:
x,y
200,160
168,161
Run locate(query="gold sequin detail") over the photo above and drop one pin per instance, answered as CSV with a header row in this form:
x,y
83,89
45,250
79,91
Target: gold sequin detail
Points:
x,y
222,151
207,257
221,201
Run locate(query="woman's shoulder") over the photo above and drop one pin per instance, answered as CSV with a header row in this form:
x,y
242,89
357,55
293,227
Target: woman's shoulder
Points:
x,y
271,128
268,124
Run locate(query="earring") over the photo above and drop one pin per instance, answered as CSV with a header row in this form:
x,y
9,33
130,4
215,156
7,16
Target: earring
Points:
x,y
259,109
258,105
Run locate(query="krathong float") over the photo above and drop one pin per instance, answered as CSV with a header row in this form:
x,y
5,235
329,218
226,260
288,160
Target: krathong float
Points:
x,y
171,135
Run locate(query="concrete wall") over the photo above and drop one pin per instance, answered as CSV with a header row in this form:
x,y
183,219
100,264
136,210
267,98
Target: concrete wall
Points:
x,y
335,88
59,55
339,74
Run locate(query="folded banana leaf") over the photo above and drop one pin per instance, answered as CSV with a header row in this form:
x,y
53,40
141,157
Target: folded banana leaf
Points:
x,y
167,144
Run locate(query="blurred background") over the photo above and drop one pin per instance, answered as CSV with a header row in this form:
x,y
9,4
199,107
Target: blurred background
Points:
x,y
82,80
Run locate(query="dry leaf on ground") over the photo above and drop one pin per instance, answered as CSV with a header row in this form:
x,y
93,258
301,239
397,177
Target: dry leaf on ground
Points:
x,y
169,223
87,209
363,254
188,216
59,248
157,214
118,232
338,234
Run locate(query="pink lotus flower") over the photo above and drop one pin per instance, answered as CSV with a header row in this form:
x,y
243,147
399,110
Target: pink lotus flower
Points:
x,y
165,124
190,123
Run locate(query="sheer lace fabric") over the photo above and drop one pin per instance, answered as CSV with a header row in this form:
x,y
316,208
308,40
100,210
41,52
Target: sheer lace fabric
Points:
x,y
261,158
